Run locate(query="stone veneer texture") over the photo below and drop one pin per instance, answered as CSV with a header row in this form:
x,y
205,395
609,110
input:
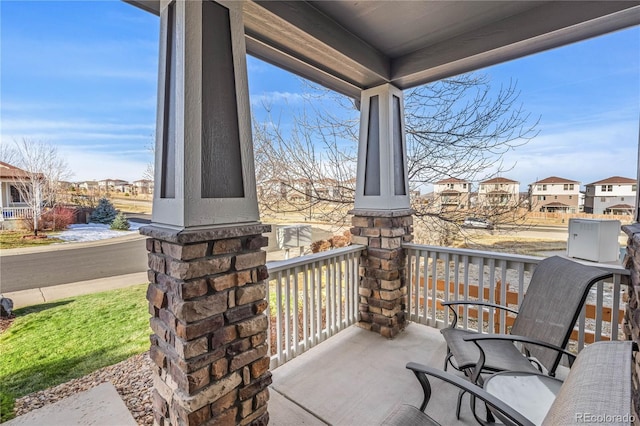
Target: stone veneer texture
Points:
x,y
207,300
382,288
632,311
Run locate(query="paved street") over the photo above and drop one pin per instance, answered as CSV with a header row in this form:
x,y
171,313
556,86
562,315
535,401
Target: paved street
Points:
x,y
53,267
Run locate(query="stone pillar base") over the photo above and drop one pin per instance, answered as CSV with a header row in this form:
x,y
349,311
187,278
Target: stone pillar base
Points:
x,y
383,287
207,300
631,325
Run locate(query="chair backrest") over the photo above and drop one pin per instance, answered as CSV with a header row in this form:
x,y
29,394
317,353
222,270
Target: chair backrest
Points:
x,y
552,303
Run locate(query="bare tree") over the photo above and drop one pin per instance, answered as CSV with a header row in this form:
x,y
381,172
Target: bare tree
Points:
x,y
8,154
44,170
459,127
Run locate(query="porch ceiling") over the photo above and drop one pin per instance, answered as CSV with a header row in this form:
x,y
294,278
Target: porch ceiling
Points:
x,y
353,45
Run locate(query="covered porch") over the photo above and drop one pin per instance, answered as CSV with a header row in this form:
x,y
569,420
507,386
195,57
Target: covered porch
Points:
x,y
215,350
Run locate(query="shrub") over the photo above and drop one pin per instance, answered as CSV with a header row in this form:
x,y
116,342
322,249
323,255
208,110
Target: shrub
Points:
x,y
58,218
104,212
55,219
321,245
120,223
339,241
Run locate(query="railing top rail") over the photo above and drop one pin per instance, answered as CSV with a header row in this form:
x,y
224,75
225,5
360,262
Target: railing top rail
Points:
x,y
478,253
614,268
281,265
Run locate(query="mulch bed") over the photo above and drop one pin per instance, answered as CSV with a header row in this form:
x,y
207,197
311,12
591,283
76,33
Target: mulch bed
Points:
x,y
5,323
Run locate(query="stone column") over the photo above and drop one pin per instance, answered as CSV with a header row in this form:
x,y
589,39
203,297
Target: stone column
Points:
x,y
209,344
383,286
632,310
382,218
206,268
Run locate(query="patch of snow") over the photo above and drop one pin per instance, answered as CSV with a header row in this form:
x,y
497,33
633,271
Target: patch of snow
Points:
x,y
95,232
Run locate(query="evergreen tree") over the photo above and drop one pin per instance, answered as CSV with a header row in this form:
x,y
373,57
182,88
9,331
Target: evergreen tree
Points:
x,y
120,223
104,212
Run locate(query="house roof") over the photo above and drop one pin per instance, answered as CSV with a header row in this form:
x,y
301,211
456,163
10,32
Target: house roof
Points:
x,y
613,179
555,179
450,192
11,172
498,192
348,46
499,180
620,207
451,180
556,204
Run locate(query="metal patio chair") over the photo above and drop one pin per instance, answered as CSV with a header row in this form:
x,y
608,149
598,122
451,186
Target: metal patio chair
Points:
x,y
405,414
548,312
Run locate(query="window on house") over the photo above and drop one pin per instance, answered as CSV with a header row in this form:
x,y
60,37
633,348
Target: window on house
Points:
x,y
566,186
541,198
621,198
571,187
464,186
15,195
634,187
607,188
570,197
555,197
544,187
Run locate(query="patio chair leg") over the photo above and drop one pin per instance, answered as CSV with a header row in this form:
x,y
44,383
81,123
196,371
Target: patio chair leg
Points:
x,y
459,405
447,358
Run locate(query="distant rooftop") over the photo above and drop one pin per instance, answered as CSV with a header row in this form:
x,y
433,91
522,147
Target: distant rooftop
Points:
x,y
614,179
555,179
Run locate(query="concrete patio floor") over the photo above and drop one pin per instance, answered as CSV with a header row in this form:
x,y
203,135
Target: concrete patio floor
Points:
x,y
357,377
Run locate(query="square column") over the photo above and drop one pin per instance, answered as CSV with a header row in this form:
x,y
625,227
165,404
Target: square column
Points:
x,y
207,299
204,167
382,183
382,218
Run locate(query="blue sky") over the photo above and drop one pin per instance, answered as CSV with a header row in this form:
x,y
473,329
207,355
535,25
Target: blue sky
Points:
x,y
82,75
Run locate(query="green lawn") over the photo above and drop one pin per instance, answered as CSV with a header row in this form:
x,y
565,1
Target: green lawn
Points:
x,y
13,239
55,342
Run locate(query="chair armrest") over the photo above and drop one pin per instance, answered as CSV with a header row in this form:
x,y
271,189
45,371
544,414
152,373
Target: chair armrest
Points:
x,y
513,338
506,413
452,303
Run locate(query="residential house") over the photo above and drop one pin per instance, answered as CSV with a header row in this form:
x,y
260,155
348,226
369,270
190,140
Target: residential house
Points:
x,y
614,195
452,193
12,204
555,194
123,187
88,186
143,186
498,192
108,185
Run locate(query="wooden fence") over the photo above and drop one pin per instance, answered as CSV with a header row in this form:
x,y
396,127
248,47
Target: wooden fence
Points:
x,y
512,301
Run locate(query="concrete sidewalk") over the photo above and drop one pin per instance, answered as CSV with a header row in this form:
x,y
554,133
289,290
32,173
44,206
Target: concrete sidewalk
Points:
x,y
49,294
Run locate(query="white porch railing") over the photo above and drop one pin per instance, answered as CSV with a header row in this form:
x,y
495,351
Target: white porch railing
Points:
x,y
313,297
10,213
436,274
310,299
